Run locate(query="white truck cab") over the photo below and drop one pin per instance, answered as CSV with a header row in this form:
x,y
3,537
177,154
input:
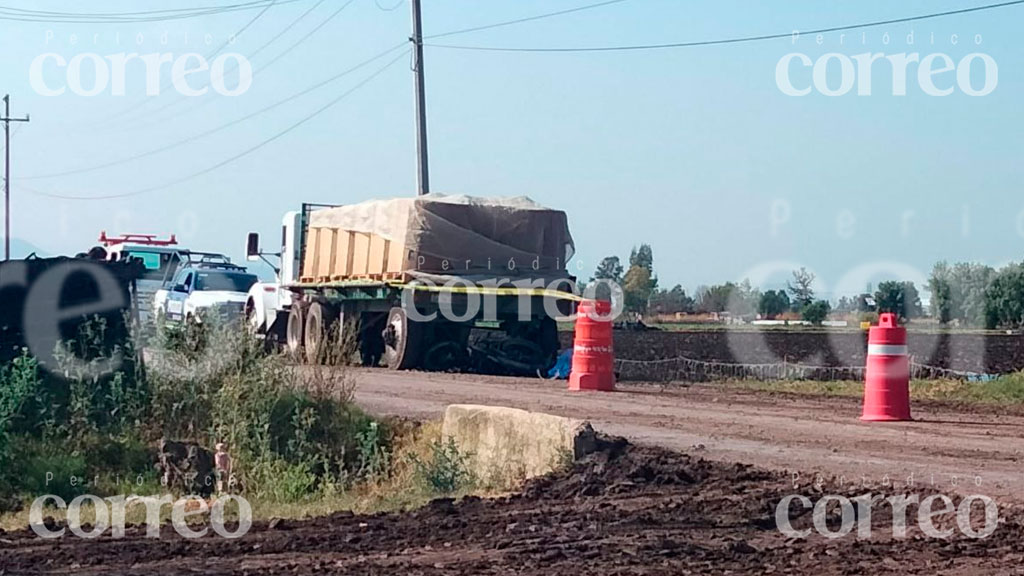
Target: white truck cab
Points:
x,y
267,304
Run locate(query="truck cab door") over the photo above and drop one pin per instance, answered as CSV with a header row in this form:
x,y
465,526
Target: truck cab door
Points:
x,y
180,288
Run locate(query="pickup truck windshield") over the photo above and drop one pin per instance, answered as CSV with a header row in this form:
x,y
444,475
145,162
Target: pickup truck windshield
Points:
x,y
157,265
232,282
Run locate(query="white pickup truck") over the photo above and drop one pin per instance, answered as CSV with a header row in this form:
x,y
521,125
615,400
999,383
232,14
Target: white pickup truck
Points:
x,y
203,290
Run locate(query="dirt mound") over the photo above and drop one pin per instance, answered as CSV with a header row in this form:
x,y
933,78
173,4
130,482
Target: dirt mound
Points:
x,y
624,510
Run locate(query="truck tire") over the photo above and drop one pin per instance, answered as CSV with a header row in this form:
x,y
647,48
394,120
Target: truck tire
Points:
x,y
295,331
403,339
319,319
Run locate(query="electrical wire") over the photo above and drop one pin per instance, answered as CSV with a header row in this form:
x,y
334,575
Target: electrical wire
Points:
x,y
242,154
182,99
334,14
211,131
521,20
211,55
142,13
285,29
306,36
53,17
727,40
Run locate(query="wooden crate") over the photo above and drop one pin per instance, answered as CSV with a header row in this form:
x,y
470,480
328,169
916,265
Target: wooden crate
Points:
x,y
344,245
325,261
360,254
335,255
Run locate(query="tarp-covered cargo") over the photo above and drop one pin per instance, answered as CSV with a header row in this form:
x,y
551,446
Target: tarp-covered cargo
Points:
x,y
437,235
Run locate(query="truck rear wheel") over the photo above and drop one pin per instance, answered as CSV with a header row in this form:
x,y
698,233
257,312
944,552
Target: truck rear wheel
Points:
x,y
403,339
295,331
319,319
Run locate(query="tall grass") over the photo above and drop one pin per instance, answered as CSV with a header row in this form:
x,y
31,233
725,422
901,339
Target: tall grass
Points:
x,y
97,416
1006,390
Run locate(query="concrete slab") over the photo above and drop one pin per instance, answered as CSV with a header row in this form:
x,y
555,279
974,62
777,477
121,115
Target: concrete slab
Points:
x,y
508,445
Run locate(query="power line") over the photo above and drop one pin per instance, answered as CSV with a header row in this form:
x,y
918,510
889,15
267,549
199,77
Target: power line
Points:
x,y
521,20
211,131
286,29
330,17
142,103
242,154
307,35
53,17
727,40
142,13
181,98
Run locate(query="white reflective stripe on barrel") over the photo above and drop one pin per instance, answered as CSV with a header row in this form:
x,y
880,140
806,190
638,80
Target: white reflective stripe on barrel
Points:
x,y
887,349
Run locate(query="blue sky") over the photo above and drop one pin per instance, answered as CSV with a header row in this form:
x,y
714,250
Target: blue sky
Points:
x,y
694,150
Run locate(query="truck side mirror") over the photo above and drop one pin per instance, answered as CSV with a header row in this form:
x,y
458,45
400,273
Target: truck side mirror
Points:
x,y
252,246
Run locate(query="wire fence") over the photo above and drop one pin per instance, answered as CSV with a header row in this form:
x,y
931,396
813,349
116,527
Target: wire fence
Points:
x,y
683,368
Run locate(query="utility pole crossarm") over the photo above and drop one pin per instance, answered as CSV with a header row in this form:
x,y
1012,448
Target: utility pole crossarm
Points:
x,y
422,172
7,172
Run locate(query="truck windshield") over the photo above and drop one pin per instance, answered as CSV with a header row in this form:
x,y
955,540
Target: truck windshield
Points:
x,y
231,282
157,265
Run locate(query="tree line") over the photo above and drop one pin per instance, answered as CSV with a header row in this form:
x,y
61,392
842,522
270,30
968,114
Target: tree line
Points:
x,y
964,293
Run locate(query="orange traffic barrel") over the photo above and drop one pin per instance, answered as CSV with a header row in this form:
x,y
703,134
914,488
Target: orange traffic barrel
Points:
x,y
887,373
593,363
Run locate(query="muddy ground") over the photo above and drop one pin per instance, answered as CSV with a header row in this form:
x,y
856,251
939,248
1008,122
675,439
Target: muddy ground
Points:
x,y
676,501
624,510
992,352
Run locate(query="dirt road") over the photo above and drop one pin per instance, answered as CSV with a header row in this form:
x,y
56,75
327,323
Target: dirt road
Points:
x,y
970,452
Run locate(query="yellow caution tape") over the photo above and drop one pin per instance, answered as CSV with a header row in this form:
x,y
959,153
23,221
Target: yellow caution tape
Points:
x,y
494,291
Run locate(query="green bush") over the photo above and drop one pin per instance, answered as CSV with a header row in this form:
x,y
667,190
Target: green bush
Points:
x,y
47,468
446,471
278,420
293,433
816,312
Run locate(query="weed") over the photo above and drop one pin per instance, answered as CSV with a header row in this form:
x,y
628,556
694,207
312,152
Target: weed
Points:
x,y
374,458
447,469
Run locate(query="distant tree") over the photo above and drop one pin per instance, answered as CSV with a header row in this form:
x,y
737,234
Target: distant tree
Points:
x,y
712,299
900,298
638,289
642,256
969,283
1004,299
773,303
640,282
609,269
672,301
958,292
845,305
801,288
743,299
940,286
816,312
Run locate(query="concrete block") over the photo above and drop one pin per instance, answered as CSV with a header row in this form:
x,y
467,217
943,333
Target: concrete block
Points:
x,y
507,445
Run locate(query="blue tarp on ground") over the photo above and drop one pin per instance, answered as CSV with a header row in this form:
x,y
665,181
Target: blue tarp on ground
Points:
x,y
560,370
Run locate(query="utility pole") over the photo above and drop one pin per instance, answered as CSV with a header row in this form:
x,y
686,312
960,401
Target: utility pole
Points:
x,y
422,173
7,172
